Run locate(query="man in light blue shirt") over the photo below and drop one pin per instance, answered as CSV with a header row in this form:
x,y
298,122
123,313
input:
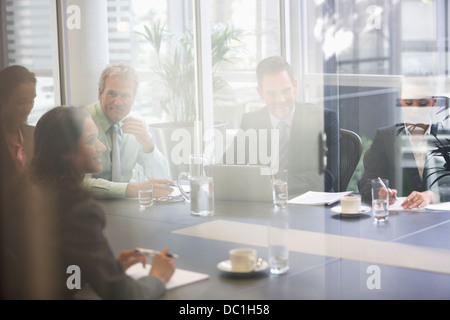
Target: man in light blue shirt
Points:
x,y
117,90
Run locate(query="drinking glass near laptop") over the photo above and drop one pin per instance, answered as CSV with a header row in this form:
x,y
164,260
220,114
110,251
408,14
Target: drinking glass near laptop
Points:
x,y
145,190
280,188
278,242
201,196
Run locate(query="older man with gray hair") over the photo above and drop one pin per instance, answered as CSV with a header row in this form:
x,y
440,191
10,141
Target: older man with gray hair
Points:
x,y
127,139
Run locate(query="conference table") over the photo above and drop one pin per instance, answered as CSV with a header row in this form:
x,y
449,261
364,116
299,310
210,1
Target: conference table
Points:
x,y
331,256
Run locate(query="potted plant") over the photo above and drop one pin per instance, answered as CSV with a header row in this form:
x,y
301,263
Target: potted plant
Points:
x,y
175,70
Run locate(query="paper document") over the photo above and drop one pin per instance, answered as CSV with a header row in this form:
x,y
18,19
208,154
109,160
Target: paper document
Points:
x,y
397,206
319,198
443,206
176,191
179,278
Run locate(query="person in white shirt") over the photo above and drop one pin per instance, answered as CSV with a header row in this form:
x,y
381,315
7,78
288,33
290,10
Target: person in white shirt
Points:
x,y
118,85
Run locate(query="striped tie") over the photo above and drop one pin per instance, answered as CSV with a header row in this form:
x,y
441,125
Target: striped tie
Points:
x,y
115,154
283,144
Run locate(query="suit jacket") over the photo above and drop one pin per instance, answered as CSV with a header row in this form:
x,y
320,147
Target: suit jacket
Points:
x,y
388,158
311,165
79,241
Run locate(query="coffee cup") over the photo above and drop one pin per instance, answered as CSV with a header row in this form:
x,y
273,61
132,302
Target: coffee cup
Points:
x,y
243,259
350,204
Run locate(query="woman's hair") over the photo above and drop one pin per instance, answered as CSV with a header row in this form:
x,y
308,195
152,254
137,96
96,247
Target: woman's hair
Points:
x,y
55,137
13,76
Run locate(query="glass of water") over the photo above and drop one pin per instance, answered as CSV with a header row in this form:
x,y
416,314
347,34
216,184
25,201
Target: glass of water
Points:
x,y
280,188
380,199
145,191
278,232
202,196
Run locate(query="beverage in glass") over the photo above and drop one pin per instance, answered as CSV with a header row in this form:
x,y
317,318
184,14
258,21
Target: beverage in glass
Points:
x,y
380,199
280,188
202,196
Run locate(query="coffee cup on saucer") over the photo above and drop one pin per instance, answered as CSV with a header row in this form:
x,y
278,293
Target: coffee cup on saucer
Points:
x,y
350,204
243,259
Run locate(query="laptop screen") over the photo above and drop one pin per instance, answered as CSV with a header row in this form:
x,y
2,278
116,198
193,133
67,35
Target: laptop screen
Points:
x,y
241,183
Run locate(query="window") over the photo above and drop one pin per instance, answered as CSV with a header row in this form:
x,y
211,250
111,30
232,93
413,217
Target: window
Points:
x,y
29,43
126,20
259,23
349,54
256,21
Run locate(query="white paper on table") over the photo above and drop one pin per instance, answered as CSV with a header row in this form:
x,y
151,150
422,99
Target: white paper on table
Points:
x,y
319,198
443,206
176,191
179,278
396,206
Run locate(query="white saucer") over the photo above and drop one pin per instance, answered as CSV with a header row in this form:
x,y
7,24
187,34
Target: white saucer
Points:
x,y
363,209
226,267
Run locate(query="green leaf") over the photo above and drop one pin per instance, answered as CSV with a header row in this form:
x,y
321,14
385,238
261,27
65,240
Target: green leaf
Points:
x,y
176,70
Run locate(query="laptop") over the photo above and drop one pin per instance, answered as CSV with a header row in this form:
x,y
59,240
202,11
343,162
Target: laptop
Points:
x,y
242,183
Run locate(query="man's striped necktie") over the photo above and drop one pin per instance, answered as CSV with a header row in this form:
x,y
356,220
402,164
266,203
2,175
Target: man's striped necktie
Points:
x,y
283,144
116,174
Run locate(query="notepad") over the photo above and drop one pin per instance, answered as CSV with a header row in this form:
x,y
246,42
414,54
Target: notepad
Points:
x,y
396,206
179,278
443,206
319,198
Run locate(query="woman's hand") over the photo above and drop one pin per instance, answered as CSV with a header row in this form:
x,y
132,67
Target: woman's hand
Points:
x,y
163,266
418,200
127,258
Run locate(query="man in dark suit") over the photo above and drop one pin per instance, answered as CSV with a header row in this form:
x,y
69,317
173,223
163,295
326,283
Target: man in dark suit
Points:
x,y
401,153
309,135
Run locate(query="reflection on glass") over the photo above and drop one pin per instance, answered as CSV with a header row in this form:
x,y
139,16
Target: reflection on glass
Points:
x,y
29,35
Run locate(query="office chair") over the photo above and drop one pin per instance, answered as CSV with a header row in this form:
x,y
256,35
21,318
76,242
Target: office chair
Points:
x,y
350,153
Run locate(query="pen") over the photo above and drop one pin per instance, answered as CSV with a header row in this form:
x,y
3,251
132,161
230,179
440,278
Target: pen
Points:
x,y
154,252
389,189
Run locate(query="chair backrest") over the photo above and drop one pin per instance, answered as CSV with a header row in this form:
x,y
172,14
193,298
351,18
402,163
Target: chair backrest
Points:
x,y
350,153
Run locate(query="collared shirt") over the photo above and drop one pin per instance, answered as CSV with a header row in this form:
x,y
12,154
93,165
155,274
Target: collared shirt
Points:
x,y
131,153
288,120
419,143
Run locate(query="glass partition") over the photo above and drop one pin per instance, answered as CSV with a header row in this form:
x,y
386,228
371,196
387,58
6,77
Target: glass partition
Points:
x,y
379,67
349,56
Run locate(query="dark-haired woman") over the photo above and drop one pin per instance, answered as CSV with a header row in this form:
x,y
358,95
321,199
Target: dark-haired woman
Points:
x,y
66,148
17,94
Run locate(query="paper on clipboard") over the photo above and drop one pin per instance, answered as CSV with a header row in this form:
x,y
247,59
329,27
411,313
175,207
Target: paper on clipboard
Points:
x,y
179,278
397,206
319,198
